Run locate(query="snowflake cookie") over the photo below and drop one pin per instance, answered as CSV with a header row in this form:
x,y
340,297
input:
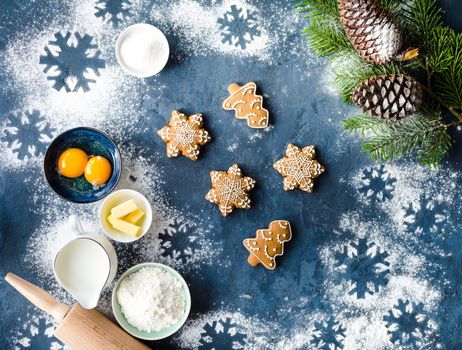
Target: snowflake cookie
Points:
x,y
247,105
184,135
299,168
229,189
268,244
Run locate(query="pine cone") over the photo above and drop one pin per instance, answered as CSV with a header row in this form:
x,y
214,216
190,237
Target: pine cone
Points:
x,y
392,96
371,29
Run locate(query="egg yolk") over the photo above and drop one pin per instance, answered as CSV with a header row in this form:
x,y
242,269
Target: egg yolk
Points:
x,y
72,162
98,170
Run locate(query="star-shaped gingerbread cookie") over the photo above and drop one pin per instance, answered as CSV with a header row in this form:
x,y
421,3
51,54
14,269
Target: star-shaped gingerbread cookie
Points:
x,y
230,189
299,168
184,135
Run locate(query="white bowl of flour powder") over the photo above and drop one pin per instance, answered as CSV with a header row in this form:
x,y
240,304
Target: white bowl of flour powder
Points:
x,y
142,50
151,301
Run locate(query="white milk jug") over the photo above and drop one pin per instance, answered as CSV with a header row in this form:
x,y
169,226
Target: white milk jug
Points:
x,y
85,265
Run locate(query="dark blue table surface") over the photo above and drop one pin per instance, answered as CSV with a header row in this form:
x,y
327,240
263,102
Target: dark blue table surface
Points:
x,y
375,261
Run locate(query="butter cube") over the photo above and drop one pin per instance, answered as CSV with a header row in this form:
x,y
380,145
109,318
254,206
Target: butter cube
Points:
x,y
123,209
124,226
134,217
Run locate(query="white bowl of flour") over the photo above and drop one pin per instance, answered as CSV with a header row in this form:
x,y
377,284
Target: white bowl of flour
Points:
x,y
151,301
142,50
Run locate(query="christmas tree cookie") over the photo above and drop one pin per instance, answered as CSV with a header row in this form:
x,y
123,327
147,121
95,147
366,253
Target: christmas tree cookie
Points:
x,y
268,244
299,168
247,105
230,189
184,135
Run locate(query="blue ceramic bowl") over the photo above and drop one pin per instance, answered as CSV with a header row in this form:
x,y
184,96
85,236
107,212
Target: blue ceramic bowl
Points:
x,y
93,142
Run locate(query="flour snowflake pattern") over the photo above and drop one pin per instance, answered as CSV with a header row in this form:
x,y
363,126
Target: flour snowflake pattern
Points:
x,y
113,11
72,61
328,335
222,334
377,185
28,135
239,27
428,217
365,266
407,324
36,333
178,241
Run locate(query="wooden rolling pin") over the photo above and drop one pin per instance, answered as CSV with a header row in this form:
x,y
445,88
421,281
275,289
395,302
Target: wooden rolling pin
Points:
x,y
78,328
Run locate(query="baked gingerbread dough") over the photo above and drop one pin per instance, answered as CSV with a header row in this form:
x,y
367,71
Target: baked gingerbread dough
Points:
x,y
247,105
184,135
230,189
268,244
299,168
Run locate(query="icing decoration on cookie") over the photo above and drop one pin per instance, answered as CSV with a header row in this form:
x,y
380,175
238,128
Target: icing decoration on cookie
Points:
x,y
247,105
299,168
230,189
184,135
268,244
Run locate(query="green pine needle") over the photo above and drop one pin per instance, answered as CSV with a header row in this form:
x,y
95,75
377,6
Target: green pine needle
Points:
x,y
325,32
445,65
350,70
361,122
423,134
440,59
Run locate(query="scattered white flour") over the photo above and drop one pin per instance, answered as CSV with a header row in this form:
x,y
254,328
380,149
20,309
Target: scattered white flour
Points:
x,y
109,104
327,80
405,271
157,245
197,25
111,100
151,299
213,329
36,326
406,191
232,147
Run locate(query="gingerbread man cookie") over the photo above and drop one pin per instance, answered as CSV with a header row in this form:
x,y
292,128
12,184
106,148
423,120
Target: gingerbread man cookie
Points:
x,y
247,105
230,189
268,244
299,168
184,135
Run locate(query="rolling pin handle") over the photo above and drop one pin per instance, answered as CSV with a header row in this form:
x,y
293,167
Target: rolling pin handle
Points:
x,y
44,301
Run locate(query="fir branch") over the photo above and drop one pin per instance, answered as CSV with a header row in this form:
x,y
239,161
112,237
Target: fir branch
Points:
x,y
391,5
432,151
423,134
361,122
326,38
319,7
325,32
445,66
350,70
418,19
